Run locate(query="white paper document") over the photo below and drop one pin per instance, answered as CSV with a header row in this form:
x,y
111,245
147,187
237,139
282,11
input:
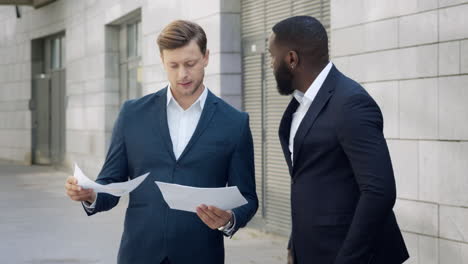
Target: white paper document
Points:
x,y
116,189
187,198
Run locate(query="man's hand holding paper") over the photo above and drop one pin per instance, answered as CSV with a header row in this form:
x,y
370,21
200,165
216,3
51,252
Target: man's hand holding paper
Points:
x,y
212,205
80,188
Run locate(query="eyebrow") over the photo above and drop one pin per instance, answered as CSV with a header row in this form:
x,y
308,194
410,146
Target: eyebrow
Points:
x,y
186,61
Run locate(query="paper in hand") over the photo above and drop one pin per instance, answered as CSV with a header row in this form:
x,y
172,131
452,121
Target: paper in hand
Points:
x,y
187,198
116,189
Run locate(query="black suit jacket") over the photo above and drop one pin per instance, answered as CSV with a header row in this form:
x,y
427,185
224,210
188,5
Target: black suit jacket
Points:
x,y
343,188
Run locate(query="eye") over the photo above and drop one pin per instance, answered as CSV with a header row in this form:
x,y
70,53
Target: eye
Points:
x,y
190,64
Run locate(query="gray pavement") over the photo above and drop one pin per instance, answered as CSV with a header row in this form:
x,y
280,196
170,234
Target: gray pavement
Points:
x,y
39,224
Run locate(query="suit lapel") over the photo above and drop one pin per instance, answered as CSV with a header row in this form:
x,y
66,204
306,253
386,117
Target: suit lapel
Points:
x,y
205,118
160,110
285,130
324,94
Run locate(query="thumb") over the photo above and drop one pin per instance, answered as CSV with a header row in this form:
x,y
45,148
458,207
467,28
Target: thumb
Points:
x,y
72,180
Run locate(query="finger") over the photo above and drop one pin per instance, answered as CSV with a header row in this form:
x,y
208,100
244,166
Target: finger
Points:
x,y
205,218
80,197
71,192
84,196
75,197
218,220
73,186
72,180
204,215
220,213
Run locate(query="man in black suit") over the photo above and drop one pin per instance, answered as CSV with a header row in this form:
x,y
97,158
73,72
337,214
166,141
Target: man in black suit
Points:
x,y
342,183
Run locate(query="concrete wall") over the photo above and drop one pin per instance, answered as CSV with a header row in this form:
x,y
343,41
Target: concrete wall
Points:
x,y
91,59
412,57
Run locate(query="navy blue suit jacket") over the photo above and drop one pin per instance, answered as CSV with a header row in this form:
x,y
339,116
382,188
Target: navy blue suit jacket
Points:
x,y
343,188
219,153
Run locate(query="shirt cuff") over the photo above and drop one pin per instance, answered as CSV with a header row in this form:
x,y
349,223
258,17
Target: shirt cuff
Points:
x,y
90,207
230,229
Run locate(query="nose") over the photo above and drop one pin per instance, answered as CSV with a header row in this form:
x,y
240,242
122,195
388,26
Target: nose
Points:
x,y
183,73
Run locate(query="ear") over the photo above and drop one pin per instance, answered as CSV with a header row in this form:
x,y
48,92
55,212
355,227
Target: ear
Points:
x,y
292,59
206,58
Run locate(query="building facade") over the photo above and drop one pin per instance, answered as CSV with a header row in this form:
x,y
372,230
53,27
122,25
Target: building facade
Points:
x,y
66,67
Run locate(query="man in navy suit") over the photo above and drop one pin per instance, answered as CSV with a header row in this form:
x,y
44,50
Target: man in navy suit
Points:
x,y
182,134
342,183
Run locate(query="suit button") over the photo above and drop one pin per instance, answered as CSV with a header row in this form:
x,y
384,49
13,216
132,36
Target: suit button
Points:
x,y
293,181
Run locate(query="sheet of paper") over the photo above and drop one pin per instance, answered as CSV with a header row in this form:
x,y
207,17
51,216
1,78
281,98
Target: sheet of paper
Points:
x,y
116,189
187,198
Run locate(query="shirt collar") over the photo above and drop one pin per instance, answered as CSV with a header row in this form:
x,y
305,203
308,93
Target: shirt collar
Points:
x,y
200,101
315,86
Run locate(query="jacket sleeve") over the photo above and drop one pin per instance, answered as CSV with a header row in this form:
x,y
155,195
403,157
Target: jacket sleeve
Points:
x,y
361,137
242,175
115,167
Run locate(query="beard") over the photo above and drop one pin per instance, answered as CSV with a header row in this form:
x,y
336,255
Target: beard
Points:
x,y
284,79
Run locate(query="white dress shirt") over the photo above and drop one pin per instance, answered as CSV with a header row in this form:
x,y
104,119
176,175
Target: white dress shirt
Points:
x,y
305,100
182,124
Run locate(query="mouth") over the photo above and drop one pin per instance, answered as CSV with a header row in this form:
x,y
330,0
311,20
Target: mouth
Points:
x,y
184,84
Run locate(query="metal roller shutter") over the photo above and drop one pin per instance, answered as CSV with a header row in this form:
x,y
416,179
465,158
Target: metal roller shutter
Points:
x,y
253,37
253,105
278,182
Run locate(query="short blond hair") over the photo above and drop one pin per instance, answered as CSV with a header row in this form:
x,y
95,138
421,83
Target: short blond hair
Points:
x,y
179,33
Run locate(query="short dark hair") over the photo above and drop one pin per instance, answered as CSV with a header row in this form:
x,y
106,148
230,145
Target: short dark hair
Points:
x,y
179,33
305,35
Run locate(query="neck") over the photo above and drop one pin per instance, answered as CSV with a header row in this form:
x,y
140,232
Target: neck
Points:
x,y
185,101
303,81
305,78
